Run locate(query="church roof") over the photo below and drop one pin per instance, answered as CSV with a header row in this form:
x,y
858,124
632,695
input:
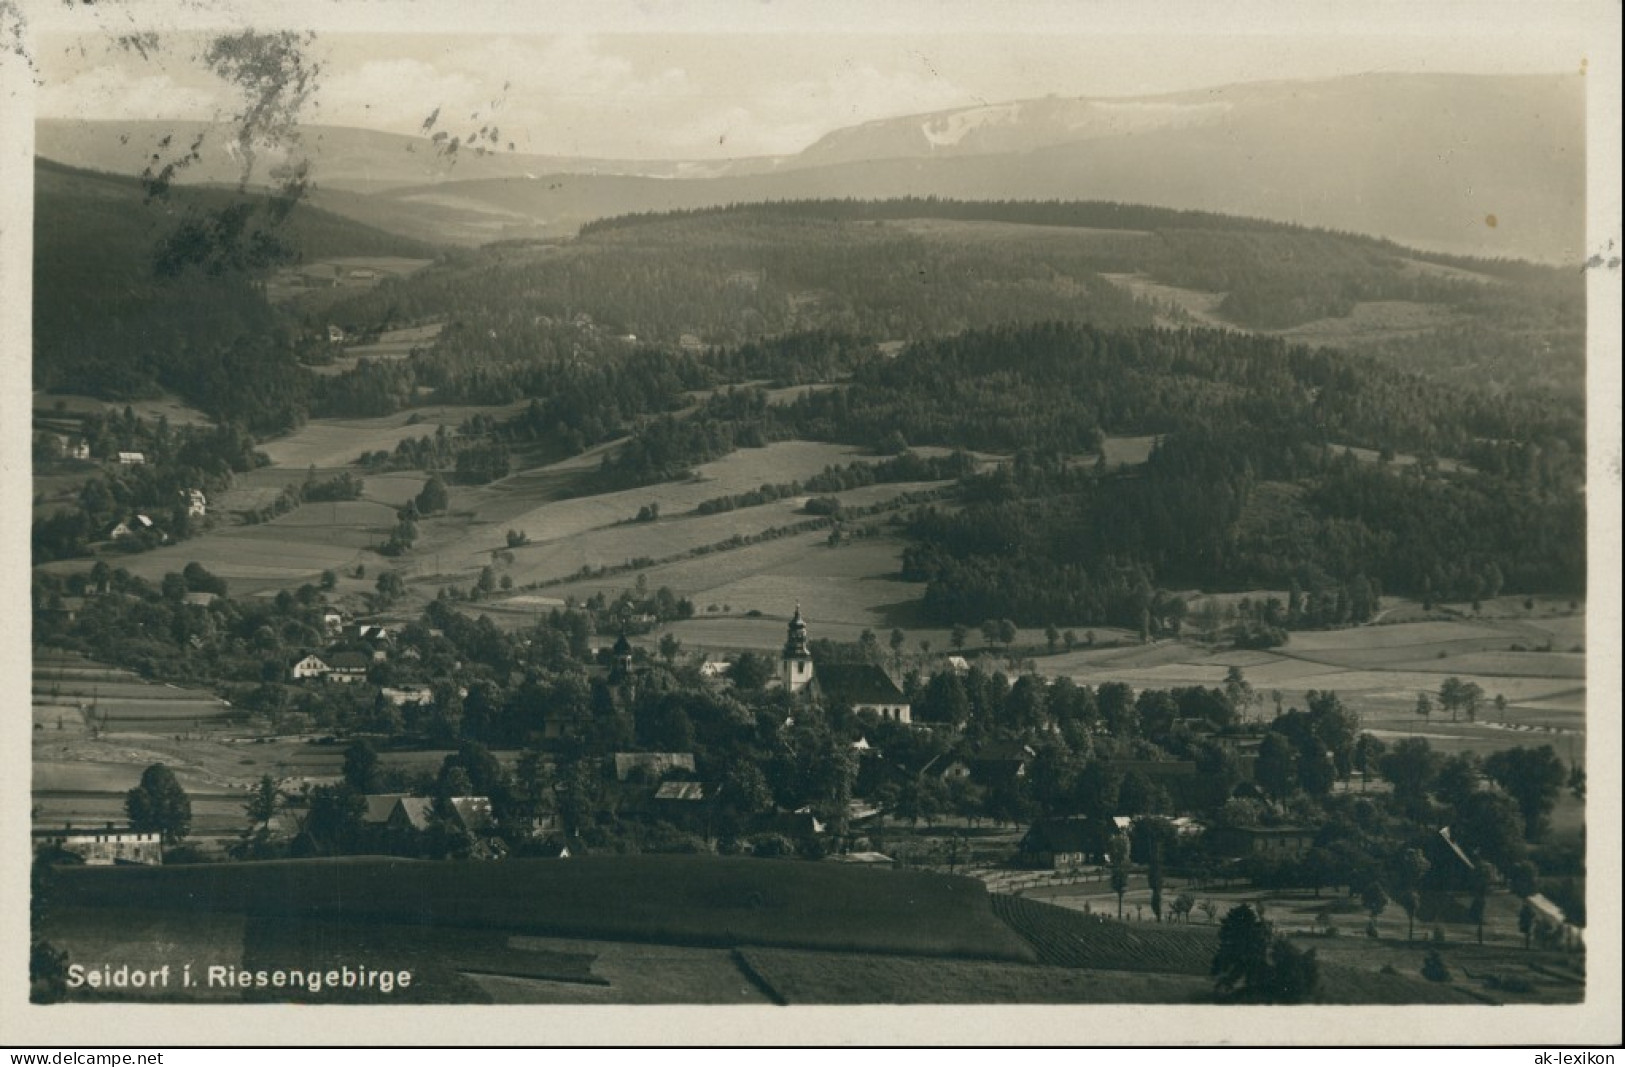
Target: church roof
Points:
x,y
857,683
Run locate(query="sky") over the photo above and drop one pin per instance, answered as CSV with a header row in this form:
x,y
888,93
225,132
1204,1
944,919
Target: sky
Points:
x,y
727,79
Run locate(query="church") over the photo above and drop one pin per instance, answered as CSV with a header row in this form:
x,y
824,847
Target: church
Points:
x,y
860,686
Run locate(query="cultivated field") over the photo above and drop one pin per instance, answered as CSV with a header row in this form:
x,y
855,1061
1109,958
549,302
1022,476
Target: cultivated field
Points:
x,y
1378,670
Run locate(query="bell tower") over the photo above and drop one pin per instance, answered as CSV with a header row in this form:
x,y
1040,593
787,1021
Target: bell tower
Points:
x,y
796,667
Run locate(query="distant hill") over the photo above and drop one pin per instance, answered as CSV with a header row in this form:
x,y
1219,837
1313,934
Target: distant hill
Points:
x,y
101,313
1488,166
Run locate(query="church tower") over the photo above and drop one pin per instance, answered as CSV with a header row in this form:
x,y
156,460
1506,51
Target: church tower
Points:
x,y
796,668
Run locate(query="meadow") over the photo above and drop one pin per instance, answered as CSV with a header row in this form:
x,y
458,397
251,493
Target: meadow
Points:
x,y
663,899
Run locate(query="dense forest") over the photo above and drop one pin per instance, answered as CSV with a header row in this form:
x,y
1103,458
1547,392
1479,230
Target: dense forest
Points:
x,y
1251,480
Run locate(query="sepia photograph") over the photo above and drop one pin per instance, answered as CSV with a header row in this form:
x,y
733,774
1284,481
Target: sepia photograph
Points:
x,y
746,506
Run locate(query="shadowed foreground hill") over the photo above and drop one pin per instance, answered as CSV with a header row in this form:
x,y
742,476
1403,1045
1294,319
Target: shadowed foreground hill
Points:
x,y
662,899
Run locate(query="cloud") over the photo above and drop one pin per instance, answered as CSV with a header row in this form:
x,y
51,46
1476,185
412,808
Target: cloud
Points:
x,y
113,92
397,94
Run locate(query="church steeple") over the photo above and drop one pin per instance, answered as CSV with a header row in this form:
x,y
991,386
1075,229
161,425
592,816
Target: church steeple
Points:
x,y
796,668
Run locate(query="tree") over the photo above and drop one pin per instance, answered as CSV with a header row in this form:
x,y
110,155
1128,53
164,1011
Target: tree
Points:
x,y
1368,752
159,804
670,646
1533,777
1277,768
1526,922
1052,637
433,498
869,645
361,767
751,671
957,636
1411,766
333,819
1424,705
897,640
1294,973
1484,876
263,803
1243,956
1117,850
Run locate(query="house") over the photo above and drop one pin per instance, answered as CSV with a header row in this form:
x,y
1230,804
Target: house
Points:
x,y
132,526
472,814
104,847
348,667
410,815
200,600
1276,842
379,808
197,505
1056,844
400,696
862,687
311,666
651,766
333,623
959,664
132,459
78,448
689,805
335,335
715,668
1000,761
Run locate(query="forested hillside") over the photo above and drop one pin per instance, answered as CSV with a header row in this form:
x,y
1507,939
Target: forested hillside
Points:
x,y
912,268
133,294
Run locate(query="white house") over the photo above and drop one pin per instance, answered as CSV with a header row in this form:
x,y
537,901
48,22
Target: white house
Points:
x,y
132,459
106,846
312,666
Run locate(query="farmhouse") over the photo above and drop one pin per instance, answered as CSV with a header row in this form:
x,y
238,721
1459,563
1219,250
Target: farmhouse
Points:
x,y
347,667
1001,761
311,666
103,847
1274,841
1056,844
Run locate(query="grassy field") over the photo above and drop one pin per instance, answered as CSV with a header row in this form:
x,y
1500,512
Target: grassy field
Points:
x,y
798,977
663,899
1377,670
1066,938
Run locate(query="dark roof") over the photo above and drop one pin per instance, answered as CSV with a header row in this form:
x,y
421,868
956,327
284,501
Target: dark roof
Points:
x,y
1064,835
379,805
348,661
1003,752
857,683
473,812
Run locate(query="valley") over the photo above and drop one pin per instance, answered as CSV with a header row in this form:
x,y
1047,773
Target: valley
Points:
x,y
818,580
